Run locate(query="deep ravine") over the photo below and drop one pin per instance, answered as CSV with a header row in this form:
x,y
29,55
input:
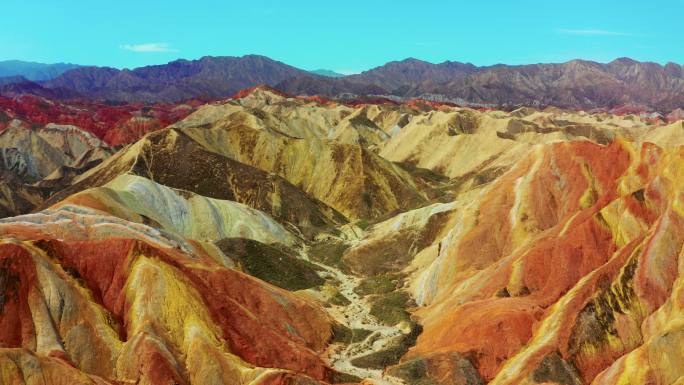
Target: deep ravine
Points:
x,y
356,315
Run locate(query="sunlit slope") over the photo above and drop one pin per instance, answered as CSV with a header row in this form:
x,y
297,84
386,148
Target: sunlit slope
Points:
x,y
172,159
349,178
189,215
564,265
90,293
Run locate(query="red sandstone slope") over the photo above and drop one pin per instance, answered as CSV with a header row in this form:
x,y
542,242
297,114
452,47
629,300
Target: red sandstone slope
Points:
x,y
567,263
115,124
119,301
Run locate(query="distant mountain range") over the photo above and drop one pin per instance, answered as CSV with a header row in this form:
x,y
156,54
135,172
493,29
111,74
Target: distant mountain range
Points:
x,y
574,84
33,71
328,73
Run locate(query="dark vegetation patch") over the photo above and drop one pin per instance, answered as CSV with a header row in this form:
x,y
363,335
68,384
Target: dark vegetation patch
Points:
x,y
343,378
379,284
17,198
330,253
519,126
9,283
414,371
390,308
505,135
433,183
392,354
485,173
391,254
419,371
555,369
346,335
504,292
362,120
339,299
590,132
408,195
363,224
423,173
276,265
465,122
595,324
639,195
488,175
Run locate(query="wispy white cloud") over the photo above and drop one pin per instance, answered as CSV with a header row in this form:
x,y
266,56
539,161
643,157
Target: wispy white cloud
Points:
x,y
592,32
149,47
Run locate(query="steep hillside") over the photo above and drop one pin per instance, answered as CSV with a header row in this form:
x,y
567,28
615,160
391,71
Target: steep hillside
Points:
x,y
173,159
464,143
349,178
34,71
94,299
208,77
397,76
558,259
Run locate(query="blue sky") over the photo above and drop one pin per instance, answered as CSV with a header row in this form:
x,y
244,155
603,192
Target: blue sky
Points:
x,y
346,36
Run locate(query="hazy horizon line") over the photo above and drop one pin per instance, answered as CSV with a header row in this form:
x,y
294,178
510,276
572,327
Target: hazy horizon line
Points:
x,y
340,70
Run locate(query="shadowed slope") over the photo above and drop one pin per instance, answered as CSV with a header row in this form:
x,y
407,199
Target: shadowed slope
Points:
x,y
172,159
349,178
